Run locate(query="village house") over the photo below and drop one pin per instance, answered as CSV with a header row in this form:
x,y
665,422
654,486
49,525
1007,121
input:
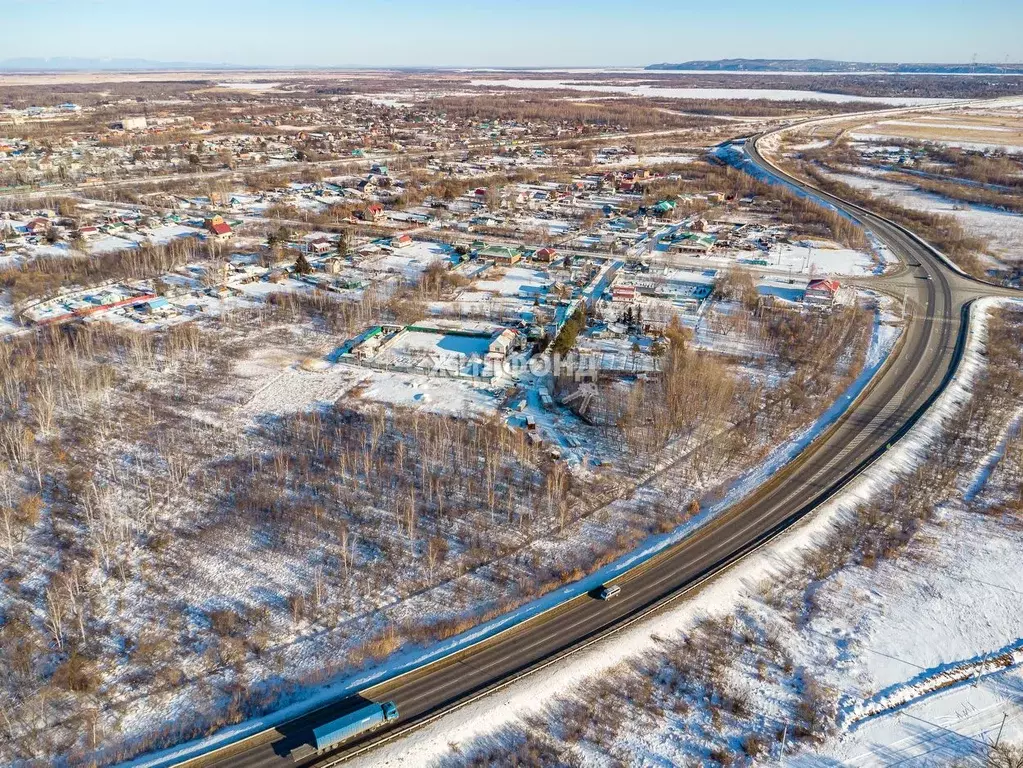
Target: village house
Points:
x,y
624,293
136,123
501,345
37,226
821,292
501,255
371,212
320,246
159,305
218,229
694,242
663,209
546,254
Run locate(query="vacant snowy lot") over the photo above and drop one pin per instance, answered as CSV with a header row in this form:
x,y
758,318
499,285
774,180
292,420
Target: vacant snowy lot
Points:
x,y
514,281
1002,229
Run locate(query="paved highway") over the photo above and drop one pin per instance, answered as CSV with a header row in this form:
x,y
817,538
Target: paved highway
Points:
x,y
899,393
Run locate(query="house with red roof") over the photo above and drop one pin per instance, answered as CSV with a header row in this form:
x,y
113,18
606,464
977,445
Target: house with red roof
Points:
x,y
218,229
37,226
547,254
821,292
624,292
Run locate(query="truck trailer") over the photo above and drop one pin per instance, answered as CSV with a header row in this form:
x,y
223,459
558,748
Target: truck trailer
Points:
x,y
331,735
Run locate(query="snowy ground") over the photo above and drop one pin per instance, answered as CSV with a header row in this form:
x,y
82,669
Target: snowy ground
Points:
x,y
284,387
816,258
906,622
553,227
514,281
411,260
1003,229
620,354
420,350
998,142
823,259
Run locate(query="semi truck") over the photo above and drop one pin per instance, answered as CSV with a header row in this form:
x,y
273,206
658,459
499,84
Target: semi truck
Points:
x,y
331,735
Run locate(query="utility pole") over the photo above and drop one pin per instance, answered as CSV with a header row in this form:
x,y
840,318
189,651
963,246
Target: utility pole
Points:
x,y
784,742
998,738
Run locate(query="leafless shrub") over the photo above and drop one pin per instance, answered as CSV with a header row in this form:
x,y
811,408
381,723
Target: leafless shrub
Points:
x,y
1005,756
514,748
77,674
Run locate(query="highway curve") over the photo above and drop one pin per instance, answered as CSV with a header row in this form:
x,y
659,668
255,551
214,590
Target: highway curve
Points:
x,y
899,393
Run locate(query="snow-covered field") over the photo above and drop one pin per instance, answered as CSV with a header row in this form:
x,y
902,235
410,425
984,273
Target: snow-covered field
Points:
x,y
828,260
553,227
514,281
801,258
644,160
1003,229
907,622
977,146
239,85
411,260
283,387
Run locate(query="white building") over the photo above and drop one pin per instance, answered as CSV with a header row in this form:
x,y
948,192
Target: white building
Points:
x,y
135,123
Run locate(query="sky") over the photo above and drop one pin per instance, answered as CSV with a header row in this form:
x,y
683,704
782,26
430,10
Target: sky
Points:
x,y
513,33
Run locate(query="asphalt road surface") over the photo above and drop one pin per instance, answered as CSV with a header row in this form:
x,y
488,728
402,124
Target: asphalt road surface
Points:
x,y
899,393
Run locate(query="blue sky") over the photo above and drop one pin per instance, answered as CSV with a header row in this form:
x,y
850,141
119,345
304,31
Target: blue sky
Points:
x,y
510,33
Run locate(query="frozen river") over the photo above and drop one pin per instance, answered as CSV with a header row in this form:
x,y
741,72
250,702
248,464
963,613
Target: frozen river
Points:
x,y
775,94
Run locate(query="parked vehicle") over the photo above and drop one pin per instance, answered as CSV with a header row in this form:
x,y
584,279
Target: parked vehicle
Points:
x,y
331,735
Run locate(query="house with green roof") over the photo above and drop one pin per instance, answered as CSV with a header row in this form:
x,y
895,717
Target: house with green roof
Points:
x,y
500,254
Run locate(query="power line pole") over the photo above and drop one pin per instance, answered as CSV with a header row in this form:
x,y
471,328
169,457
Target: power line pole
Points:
x,y
1005,716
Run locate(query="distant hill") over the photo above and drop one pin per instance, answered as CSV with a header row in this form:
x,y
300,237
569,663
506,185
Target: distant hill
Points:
x,y
827,65
65,63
